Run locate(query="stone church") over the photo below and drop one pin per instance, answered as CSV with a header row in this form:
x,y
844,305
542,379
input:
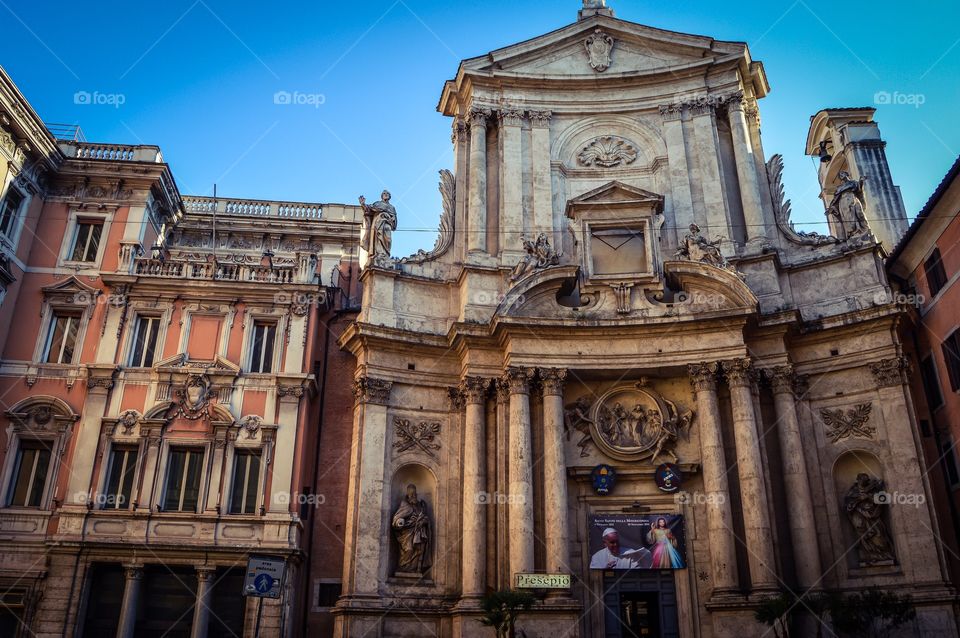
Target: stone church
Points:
x,y
622,378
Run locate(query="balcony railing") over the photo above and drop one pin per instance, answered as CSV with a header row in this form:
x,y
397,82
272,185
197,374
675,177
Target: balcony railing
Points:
x,y
253,207
174,269
113,152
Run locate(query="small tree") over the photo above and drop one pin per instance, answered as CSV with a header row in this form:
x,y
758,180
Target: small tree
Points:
x,y
872,614
502,608
776,613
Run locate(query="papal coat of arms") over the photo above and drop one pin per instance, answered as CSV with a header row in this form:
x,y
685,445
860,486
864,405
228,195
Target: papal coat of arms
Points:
x,y
599,47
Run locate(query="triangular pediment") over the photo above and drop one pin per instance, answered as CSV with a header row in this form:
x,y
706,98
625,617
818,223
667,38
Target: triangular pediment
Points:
x,y
615,193
180,360
70,285
636,48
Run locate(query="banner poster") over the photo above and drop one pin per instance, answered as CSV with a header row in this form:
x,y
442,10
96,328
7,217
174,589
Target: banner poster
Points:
x,y
637,541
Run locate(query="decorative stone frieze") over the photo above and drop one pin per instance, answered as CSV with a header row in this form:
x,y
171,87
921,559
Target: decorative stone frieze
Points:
x,y
372,390
891,372
552,380
853,423
416,436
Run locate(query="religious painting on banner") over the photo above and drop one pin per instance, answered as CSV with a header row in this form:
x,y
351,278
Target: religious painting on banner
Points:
x,y
637,541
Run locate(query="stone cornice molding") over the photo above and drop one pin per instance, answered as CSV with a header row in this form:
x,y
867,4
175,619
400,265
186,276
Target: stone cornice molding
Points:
x,y
552,380
372,390
891,372
474,389
703,376
739,372
518,379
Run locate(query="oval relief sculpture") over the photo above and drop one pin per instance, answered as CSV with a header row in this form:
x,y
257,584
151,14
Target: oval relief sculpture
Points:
x,y
632,423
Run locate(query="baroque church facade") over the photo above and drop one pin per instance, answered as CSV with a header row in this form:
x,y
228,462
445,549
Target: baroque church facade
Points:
x,y
622,369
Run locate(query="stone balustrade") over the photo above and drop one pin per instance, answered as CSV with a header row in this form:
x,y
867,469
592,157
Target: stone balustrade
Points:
x,y
177,269
253,207
113,152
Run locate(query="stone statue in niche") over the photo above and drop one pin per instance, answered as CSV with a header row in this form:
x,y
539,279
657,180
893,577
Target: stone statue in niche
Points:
x,y
411,528
540,254
696,247
864,504
847,207
380,220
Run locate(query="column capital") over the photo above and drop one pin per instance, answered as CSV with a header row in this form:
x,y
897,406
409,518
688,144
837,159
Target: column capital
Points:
x,y
372,390
518,379
289,393
457,400
206,572
474,389
703,376
782,378
511,116
739,372
733,101
540,119
133,571
553,379
891,372
478,115
459,130
671,112
503,390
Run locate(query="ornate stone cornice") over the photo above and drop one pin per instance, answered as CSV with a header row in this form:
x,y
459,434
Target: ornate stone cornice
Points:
x,y
552,380
540,119
518,379
891,372
511,116
479,115
781,378
474,389
738,372
703,376
372,390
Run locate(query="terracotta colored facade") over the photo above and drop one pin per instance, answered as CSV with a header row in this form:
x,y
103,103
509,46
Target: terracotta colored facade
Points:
x,y
926,264
159,362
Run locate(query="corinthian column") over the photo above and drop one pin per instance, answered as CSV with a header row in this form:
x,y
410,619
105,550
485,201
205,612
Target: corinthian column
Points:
x,y
477,217
555,472
753,494
474,559
803,531
520,496
723,558
746,168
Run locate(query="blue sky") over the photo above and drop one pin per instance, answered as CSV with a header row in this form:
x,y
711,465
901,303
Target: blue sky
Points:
x,y
198,78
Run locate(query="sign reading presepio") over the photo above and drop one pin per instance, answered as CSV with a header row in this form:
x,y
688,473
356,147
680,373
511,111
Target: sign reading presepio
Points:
x,y
264,576
543,581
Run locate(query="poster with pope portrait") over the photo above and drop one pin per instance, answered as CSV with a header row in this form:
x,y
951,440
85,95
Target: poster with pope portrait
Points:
x,y
637,541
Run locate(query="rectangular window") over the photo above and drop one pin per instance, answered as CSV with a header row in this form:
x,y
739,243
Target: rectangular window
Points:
x,y
183,480
86,241
123,467
62,341
931,384
950,461
30,474
246,479
264,337
144,342
9,209
936,275
951,356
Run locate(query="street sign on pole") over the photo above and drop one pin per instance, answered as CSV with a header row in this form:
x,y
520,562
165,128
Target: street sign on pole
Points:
x,y
264,577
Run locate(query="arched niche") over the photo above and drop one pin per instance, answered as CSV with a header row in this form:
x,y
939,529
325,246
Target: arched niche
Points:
x,y
846,469
426,483
646,140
